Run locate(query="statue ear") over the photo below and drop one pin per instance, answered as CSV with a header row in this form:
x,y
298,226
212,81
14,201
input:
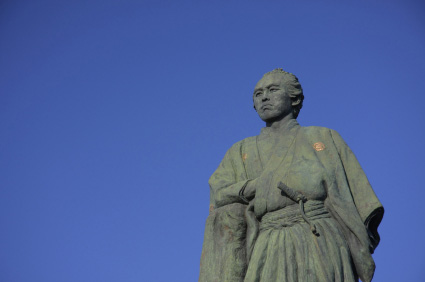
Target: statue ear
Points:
x,y
296,102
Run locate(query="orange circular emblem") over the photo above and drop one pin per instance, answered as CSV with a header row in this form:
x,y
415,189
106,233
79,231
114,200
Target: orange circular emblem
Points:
x,y
319,146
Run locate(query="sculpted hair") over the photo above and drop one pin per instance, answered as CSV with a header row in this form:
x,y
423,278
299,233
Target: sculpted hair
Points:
x,y
293,88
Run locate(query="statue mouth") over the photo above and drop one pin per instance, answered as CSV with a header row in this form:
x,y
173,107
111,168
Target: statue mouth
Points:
x,y
266,107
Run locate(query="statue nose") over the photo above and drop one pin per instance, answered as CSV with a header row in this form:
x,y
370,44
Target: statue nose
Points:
x,y
266,96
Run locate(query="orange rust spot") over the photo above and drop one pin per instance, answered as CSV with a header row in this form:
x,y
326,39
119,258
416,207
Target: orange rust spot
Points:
x,y
319,146
211,208
244,156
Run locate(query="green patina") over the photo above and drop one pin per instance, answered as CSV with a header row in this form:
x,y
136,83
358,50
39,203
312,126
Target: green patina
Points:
x,y
291,204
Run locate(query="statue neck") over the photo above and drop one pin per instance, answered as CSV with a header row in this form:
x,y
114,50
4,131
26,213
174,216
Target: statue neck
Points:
x,y
280,124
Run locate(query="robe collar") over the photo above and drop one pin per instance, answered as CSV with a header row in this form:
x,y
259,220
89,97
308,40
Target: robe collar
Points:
x,y
285,130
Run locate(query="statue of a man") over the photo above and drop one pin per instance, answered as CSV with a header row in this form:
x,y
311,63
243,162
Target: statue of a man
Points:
x,y
291,204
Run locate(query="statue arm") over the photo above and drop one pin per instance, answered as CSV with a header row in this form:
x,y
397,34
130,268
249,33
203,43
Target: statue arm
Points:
x,y
227,182
368,205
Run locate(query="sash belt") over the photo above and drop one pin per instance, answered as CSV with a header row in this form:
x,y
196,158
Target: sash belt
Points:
x,y
292,215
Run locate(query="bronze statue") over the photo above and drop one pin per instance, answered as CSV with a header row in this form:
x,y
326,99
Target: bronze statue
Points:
x,y
291,204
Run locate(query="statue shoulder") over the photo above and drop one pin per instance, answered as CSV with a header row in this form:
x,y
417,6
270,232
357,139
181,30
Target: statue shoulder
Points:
x,y
319,131
247,141
330,137
237,149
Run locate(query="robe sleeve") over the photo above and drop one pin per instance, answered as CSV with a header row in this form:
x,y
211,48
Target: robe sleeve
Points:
x,y
224,249
365,200
228,180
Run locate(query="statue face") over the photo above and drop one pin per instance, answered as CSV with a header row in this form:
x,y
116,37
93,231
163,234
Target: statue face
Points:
x,y
271,100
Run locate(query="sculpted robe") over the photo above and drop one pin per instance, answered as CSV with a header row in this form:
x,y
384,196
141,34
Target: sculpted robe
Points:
x,y
268,240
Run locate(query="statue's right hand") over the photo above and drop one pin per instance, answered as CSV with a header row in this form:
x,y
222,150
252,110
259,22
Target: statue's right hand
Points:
x,y
250,189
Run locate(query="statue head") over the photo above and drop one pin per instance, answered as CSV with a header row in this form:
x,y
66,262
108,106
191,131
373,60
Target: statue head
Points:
x,y
277,95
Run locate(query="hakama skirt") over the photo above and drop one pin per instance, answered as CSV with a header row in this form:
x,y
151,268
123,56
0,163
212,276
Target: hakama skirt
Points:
x,y
286,249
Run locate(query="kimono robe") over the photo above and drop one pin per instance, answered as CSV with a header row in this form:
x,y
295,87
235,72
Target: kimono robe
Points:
x,y
268,240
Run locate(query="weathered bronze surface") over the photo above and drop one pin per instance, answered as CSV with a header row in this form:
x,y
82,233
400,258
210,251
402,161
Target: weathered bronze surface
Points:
x,y
291,204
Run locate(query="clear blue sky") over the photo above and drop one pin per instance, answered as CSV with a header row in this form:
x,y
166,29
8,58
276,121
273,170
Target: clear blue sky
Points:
x,y
113,115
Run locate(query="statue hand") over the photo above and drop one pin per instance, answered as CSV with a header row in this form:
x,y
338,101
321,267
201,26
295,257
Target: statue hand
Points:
x,y
250,189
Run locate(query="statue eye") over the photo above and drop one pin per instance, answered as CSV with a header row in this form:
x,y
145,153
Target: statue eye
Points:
x,y
258,94
273,89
